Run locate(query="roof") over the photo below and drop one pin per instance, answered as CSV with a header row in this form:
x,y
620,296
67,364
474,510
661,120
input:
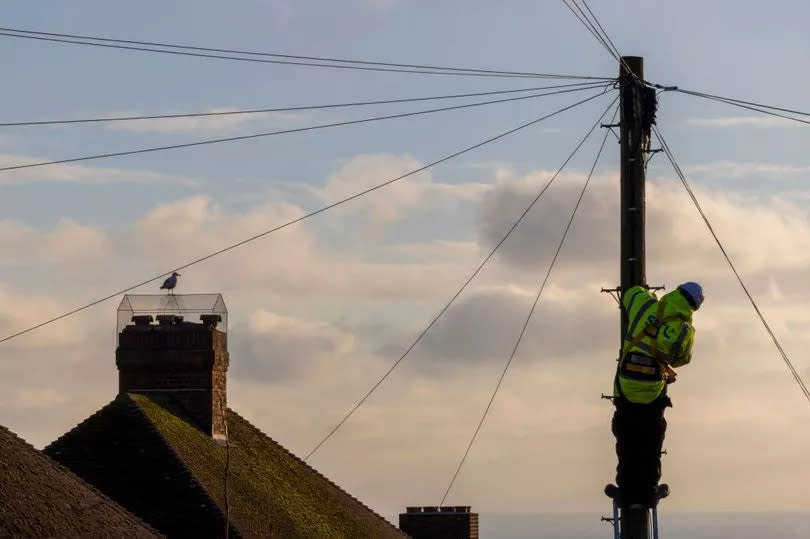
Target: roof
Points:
x,y
141,452
40,498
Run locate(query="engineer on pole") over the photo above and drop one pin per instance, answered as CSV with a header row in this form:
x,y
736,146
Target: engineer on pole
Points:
x,y
659,337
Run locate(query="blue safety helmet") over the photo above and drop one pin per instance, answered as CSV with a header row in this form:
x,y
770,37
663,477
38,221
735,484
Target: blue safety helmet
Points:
x,y
693,293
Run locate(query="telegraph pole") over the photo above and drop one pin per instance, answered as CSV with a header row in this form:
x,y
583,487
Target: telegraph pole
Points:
x,y
632,175
634,523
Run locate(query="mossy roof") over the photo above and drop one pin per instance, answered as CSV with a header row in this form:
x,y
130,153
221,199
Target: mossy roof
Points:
x,y
40,498
271,492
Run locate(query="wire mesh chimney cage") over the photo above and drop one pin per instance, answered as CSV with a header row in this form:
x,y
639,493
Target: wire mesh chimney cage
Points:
x,y
194,308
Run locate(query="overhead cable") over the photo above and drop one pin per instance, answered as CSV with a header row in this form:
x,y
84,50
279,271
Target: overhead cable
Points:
x,y
292,130
458,292
533,307
757,107
693,197
589,26
604,32
299,219
288,109
601,35
273,58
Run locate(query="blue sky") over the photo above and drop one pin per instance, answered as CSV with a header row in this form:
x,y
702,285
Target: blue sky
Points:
x,y
319,311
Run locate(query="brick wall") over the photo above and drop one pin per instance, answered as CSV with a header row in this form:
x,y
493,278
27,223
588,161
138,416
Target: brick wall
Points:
x,y
185,360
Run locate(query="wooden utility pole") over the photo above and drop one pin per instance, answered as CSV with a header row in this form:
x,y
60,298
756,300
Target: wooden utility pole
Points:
x,y
634,523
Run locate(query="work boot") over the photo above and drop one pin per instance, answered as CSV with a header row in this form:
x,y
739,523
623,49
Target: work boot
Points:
x,y
661,492
613,492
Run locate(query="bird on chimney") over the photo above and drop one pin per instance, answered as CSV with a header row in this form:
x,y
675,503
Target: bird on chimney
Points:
x,y
170,283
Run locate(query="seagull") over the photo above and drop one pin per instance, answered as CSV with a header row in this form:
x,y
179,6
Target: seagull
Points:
x,y
170,283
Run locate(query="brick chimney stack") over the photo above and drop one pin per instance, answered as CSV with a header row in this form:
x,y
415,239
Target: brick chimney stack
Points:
x,y
185,361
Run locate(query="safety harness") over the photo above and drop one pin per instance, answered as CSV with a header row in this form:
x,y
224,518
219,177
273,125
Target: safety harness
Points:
x,y
643,367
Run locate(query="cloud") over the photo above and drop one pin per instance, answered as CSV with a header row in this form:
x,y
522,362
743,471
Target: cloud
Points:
x,y
484,326
220,124
739,169
416,193
759,122
317,315
677,240
81,174
67,243
278,348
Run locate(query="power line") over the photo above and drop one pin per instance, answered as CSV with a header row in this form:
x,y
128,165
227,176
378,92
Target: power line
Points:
x,y
458,292
764,109
534,306
265,57
699,208
589,26
288,109
288,131
601,35
604,32
729,99
299,219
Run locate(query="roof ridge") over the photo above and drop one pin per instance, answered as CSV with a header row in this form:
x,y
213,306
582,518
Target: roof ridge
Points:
x,y
112,404
181,462
106,500
316,472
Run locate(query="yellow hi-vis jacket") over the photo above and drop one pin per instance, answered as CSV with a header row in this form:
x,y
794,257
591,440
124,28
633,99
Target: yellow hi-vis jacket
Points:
x,y
659,336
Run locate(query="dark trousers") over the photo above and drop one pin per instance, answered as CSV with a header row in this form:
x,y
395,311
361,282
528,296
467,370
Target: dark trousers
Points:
x,y
639,430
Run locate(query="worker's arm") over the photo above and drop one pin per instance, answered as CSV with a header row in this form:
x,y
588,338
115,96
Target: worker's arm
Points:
x,y
634,297
684,355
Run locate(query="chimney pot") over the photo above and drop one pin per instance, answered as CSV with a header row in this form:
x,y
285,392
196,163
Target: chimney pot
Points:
x,y
210,320
169,319
432,522
142,319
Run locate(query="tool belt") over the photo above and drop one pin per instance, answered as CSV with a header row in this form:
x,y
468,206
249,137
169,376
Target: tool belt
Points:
x,y
640,367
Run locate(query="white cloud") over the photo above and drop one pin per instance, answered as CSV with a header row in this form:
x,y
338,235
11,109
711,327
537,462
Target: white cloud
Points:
x,y
75,173
417,192
220,124
277,348
760,122
740,169
317,316
67,243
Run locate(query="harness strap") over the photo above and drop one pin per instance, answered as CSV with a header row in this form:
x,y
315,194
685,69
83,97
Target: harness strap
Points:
x,y
651,330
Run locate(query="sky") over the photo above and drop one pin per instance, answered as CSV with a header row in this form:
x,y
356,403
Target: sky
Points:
x,y
319,311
